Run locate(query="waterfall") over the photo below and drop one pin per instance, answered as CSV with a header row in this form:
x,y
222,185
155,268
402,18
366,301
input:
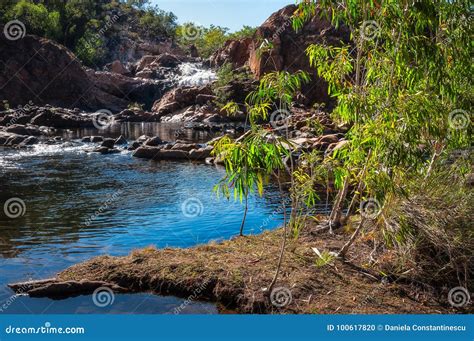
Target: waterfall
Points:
x,y
194,74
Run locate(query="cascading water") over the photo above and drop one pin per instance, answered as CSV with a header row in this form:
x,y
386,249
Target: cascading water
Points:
x,y
194,74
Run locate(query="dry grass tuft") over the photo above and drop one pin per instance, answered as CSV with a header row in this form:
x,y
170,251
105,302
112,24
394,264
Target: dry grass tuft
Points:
x,y
433,233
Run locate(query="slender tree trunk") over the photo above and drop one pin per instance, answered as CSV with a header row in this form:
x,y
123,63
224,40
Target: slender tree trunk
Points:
x,y
283,244
342,253
245,215
336,212
436,154
359,188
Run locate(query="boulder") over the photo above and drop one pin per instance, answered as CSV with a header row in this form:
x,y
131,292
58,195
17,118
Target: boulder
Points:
x,y
151,62
117,67
303,141
121,140
201,153
133,115
96,139
145,62
30,140
337,145
14,140
287,52
47,72
105,150
178,98
193,51
321,146
158,153
237,89
139,90
108,143
56,119
147,74
236,52
23,130
143,138
153,142
185,146
3,138
167,60
134,145
204,98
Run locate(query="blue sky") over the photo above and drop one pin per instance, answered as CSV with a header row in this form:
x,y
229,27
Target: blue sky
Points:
x,y
227,13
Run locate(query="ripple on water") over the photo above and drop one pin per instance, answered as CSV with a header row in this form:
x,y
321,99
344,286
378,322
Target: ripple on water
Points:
x,y
81,205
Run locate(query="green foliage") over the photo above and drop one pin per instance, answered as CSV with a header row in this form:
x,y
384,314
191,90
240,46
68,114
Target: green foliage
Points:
x,y
231,108
244,32
225,75
135,105
156,22
259,154
36,17
87,26
91,46
324,258
395,89
208,39
278,88
249,162
431,232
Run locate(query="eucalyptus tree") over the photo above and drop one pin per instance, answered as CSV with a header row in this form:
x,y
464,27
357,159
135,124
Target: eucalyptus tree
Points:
x,y
249,162
402,86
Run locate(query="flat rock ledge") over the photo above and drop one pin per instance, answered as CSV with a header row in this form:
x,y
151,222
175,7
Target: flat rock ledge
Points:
x,y
56,288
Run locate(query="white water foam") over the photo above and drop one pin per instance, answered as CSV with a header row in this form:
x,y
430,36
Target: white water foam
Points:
x,y
194,74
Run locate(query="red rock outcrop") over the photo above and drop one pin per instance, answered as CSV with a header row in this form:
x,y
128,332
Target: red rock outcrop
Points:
x,y
288,49
40,71
236,52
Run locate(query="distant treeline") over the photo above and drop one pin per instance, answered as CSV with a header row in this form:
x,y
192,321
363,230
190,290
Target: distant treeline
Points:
x,y
86,27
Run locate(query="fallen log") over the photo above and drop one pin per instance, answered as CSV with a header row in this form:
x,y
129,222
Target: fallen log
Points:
x,y
54,288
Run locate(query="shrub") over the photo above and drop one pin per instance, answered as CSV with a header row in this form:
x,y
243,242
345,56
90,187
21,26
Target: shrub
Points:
x,y
225,75
37,18
432,232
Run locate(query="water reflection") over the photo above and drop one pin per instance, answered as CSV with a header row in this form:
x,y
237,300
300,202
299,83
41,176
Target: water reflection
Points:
x,y
132,130
79,205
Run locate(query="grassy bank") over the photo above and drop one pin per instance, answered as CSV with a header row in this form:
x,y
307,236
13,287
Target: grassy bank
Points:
x,y
235,273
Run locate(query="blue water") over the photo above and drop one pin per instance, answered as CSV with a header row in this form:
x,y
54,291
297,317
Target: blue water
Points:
x,y
78,205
